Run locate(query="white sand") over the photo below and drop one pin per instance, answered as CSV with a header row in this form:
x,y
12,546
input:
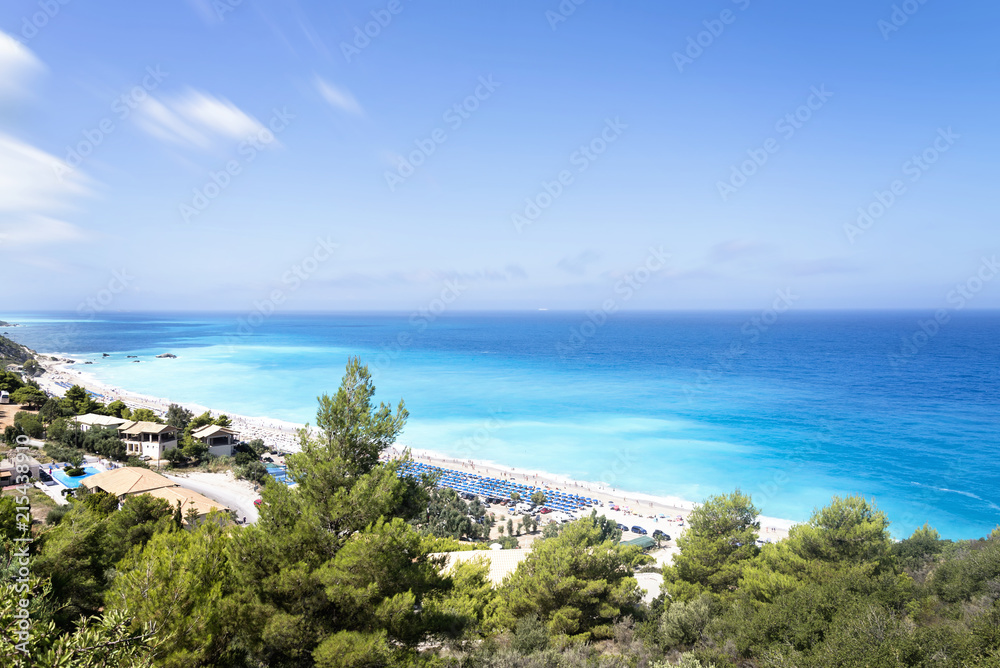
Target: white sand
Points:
x,y
278,434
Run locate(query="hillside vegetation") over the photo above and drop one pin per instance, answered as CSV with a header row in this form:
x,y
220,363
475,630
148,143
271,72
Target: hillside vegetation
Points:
x,y
12,352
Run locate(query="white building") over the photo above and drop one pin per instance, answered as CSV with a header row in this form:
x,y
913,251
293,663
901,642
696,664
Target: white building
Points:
x,y
220,440
148,439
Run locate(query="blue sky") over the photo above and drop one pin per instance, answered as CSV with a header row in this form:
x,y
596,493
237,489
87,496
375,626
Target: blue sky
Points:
x,y
231,145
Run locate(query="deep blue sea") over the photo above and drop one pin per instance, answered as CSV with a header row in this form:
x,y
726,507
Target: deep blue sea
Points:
x,y
795,409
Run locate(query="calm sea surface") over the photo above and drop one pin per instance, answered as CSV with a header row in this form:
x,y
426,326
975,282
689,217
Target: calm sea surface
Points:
x,y
688,404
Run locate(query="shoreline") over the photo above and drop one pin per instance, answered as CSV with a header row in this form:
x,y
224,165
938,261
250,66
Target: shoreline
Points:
x,y
282,436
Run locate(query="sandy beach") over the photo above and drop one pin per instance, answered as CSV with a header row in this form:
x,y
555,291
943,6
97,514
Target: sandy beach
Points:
x,y
278,434
635,507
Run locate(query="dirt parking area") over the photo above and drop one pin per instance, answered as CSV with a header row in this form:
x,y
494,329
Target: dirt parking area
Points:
x,y
7,413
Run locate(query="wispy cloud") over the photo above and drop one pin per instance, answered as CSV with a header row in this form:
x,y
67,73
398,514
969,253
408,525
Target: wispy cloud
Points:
x,y
196,119
424,277
28,179
35,230
578,264
338,98
822,266
735,249
18,66
29,187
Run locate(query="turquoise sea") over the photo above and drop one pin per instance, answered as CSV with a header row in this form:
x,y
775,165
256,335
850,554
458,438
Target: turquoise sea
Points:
x,y
794,408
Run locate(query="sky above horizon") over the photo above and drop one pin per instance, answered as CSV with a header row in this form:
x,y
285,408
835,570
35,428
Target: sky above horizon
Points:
x,y
393,155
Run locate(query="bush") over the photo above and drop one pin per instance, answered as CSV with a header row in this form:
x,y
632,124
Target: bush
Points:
x,y
507,542
175,456
975,565
56,515
683,623
29,424
105,442
244,458
530,635
257,446
551,530
254,472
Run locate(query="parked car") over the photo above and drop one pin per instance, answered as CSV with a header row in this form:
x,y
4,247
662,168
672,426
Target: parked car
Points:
x,y
623,528
639,529
545,510
661,534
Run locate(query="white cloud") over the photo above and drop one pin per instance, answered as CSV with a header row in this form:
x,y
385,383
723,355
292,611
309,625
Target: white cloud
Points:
x,y
33,183
33,230
29,179
17,66
30,186
338,98
197,119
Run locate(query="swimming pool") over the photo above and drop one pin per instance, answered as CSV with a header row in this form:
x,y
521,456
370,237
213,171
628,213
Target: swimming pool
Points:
x,y
73,481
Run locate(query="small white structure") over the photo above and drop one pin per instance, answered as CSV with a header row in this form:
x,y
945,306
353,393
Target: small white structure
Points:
x,y
220,440
4,397
94,420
